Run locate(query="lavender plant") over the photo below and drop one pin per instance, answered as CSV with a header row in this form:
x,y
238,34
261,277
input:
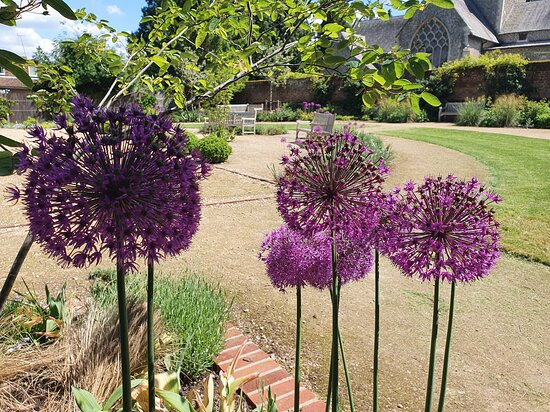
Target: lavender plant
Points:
x,y
334,187
119,184
444,229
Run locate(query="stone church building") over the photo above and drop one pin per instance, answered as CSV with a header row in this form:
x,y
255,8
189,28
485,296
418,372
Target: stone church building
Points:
x,y
471,28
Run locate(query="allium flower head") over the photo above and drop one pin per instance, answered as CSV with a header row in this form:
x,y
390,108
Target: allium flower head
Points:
x,y
120,182
445,228
294,260
330,186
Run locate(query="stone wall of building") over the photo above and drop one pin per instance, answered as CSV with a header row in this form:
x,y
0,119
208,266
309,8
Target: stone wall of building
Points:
x,y
453,23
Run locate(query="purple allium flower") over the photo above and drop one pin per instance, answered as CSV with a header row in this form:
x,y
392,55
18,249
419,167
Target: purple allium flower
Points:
x,y
445,228
121,183
294,260
330,186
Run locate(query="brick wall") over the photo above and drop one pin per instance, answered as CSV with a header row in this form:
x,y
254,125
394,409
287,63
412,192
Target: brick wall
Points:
x,y
470,85
294,91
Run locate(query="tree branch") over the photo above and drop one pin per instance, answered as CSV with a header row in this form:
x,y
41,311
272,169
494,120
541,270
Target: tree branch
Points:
x,y
144,69
239,76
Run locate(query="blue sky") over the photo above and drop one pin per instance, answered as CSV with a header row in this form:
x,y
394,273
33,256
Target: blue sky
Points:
x,y
35,30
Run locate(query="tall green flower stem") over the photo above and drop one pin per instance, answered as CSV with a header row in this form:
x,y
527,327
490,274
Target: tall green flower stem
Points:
x,y
298,348
441,407
335,326
346,372
124,343
348,381
327,408
150,336
431,368
376,330
15,268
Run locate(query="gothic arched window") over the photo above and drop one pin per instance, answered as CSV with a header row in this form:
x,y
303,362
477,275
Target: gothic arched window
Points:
x,y
432,37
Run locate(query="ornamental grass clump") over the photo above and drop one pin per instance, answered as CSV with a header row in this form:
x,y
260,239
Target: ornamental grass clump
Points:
x,y
121,184
444,229
333,187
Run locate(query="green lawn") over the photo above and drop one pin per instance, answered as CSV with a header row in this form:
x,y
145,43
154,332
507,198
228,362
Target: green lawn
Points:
x,y
520,168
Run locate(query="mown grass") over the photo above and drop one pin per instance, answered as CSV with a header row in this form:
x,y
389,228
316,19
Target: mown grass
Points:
x,y
520,174
194,314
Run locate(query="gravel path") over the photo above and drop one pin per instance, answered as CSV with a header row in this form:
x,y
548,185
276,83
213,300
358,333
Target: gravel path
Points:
x,y
500,361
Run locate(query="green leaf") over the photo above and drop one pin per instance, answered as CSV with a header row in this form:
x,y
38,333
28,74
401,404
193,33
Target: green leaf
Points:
x,y
62,8
201,35
416,68
334,60
66,69
175,401
334,27
369,98
445,4
186,6
85,400
9,3
160,61
6,163
213,24
412,86
409,14
115,396
12,57
17,71
6,141
369,57
51,325
430,99
415,100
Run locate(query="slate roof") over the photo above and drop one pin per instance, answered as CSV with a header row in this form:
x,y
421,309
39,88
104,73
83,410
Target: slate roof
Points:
x,y
380,32
474,19
530,16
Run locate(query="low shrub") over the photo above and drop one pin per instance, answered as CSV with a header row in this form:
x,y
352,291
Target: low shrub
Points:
x,y
193,141
471,113
373,142
5,110
187,116
284,114
270,129
535,114
194,314
392,111
214,148
505,111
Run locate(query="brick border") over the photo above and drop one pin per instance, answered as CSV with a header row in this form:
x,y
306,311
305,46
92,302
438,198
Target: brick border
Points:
x,y
254,361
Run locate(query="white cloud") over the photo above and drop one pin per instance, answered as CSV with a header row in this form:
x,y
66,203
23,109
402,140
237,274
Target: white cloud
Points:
x,y
23,40
35,29
113,9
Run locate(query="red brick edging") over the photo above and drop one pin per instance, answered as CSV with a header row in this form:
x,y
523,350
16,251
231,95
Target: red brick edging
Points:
x,y
254,361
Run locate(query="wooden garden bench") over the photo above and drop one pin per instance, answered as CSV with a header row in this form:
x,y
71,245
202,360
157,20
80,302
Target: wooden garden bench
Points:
x,y
322,123
240,115
449,109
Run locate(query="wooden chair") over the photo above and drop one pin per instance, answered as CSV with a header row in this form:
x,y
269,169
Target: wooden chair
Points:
x,y
322,123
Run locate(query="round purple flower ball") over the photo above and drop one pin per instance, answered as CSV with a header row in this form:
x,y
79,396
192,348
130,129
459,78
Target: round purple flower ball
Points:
x,y
295,260
332,185
118,182
445,228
